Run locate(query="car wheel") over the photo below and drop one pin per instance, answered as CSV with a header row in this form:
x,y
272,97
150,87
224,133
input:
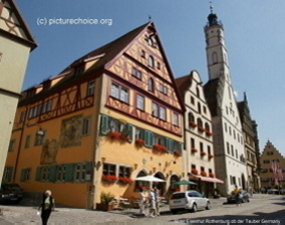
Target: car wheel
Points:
x,y
208,206
174,211
194,208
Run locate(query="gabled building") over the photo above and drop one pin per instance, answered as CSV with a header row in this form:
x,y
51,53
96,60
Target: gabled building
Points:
x,y
110,117
230,163
251,144
16,43
270,158
198,134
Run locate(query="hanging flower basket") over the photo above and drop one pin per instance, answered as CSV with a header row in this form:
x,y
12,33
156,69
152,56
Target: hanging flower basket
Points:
x,y
160,148
212,175
203,153
140,142
125,180
194,150
203,173
194,171
177,152
109,178
208,133
201,129
192,124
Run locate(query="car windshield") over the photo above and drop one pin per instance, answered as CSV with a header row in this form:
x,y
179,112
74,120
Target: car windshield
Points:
x,y
178,196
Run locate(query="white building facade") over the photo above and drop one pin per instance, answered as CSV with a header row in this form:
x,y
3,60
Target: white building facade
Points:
x,y
229,150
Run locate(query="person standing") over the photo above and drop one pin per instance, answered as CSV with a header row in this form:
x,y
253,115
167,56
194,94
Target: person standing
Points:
x,y
143,200
46,206
237,192
152,209
157,201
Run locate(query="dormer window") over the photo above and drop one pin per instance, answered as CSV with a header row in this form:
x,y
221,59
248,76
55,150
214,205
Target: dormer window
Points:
x,y
78,70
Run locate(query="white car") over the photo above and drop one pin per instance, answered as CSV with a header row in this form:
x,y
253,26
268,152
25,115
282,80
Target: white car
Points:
x,y
191,200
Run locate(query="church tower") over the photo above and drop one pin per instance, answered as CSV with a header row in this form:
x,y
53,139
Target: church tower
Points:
x,y
229,151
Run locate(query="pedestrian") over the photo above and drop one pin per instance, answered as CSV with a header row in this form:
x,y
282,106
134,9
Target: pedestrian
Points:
x,y
157,201
143,200
251,192
46,206
237,193
152,209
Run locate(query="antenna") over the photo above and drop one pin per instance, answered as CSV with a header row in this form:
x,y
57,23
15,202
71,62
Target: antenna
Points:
x,y
211,6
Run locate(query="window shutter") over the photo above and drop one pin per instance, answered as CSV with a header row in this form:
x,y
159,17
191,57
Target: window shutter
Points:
x,y
88,171
38,173
130,132
169,145
148,139
52,175
69,172
104,125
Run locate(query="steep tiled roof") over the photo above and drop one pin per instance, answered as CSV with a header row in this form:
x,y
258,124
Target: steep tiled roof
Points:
x,y
183,83
210,90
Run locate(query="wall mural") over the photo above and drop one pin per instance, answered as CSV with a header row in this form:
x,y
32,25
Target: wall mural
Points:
x,y
70,132
49,151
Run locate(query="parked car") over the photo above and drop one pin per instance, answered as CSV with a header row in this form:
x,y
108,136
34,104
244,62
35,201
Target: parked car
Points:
x,y
11,192
191,200
244,197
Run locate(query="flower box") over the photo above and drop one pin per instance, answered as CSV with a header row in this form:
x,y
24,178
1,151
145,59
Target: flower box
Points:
x,y
160,148
114,134
212,175
194,171
192,124
211,156
201,129
109,178
177,152
203,173
194,150
140,142
125,180
174,189
208,133
203,153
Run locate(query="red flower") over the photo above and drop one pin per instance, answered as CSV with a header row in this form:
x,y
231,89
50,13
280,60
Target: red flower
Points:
x,y
160,148
177,152
203,153
209,133
194,171
212,175
125,180
211,156
192,124
203,173
194,150
140,142
174,189
114,134
201,129
109,178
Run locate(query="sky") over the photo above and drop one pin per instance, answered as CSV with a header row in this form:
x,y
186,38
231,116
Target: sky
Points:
x,y
253,29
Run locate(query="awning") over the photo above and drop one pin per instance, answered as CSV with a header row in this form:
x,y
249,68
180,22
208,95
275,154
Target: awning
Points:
x,y
208,179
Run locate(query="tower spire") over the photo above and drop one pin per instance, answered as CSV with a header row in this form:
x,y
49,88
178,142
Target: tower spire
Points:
x,y
211,7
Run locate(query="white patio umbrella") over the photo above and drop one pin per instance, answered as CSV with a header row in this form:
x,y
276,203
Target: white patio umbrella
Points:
x,y
150,179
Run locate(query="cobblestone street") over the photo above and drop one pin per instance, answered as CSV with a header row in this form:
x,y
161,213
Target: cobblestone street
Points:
x,y
263,209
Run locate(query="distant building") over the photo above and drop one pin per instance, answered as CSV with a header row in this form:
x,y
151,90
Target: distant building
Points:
x,y
251,144
110,117
230,162
16,42
198,134
269,156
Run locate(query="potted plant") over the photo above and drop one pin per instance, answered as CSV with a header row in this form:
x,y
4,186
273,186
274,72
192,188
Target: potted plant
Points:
x,y
106,199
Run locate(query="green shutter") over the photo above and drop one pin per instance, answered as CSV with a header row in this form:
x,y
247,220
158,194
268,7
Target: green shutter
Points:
x,y
52,175
88,171
130,132
69,172
180,144
169,144
38,173
104,125
148,139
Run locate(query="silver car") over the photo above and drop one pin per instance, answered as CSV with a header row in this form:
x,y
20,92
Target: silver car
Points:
x,y
191,200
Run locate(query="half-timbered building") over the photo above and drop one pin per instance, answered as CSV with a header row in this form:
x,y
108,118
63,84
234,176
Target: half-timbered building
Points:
x,y
110,117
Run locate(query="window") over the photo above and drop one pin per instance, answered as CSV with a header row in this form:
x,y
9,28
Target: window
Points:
x,y
44,173
28,140
137,73
151,61
228,148
143,54
199,108
140,102
40,137
214,58
205,109
124,171
79,70
154,110
109,169
120,92
201,147
11,145
60,173
150,85
198,92
158,139
139,133
200,123
86,126
232,149
47,106
191,117
162,113
7,175
25,174
79,172
192,99
1,55
158,65
209,150
175,119
163,89
192,143
22,117
90,88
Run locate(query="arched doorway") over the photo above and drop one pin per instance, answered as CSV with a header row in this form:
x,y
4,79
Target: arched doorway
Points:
x,y
161,186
